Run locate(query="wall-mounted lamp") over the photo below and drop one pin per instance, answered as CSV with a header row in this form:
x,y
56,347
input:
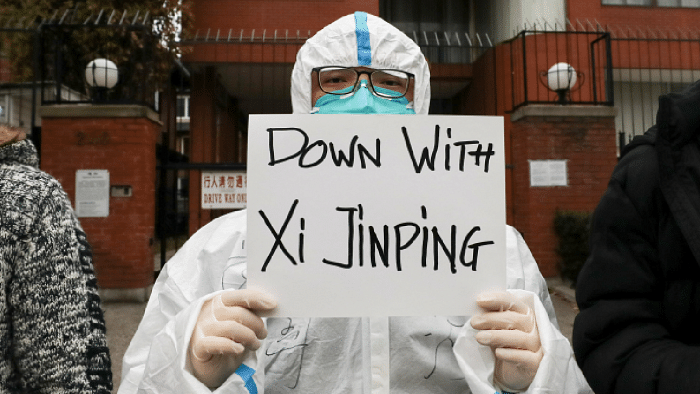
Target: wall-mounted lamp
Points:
x,y
561,78
101,74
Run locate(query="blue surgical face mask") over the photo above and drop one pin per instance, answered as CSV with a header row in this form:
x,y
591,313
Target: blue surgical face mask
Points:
x,y
362,102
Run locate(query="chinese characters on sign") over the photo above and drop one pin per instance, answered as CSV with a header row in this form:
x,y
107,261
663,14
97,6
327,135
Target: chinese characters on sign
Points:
x,y
224,190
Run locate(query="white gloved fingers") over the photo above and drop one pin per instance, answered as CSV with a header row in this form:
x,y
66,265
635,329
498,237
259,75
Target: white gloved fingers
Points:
x,y
240,315
523,359
506,320
499,301
232,330
509,327
226,329
513,339
208,346
249,299
515,368
514,377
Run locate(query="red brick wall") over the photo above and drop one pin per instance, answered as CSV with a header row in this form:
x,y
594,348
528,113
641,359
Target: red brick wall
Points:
x,y
269,15
659,17
122,242
223,17
488,94
5,74
588,145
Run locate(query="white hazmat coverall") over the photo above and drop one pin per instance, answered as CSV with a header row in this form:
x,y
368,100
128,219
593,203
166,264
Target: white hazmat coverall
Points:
x,y
335,355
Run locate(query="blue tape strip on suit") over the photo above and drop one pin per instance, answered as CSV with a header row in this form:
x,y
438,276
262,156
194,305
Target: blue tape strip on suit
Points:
x,y
246,373
364,51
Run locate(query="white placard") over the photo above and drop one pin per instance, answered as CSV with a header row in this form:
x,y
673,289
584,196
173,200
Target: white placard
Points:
x,y
224,190
92,193
548,173
347,213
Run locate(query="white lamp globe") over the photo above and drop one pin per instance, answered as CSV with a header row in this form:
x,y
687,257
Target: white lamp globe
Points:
x,y
101,73
561,77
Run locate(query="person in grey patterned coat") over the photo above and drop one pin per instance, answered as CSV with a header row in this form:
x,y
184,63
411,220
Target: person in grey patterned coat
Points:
x,y
52,331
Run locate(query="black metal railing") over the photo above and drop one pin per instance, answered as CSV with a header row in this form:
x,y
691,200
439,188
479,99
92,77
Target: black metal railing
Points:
x,y
533,55
19,93
67,49
259,61
438,47
649,64
55,52
451,47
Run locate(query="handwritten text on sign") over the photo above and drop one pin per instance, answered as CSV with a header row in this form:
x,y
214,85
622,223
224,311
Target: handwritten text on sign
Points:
x,y
369,215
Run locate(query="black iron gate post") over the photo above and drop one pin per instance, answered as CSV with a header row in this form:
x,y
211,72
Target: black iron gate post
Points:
x,y
162,195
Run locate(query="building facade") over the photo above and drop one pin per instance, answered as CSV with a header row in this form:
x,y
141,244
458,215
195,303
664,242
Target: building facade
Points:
x,y
486,58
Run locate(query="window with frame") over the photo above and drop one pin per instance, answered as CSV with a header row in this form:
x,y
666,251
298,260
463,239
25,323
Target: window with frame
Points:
x,y
679,3
655,3
627,2
4,108
433,18
183,107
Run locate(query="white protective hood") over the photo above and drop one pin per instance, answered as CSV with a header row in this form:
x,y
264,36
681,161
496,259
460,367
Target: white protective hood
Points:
x,y
337,45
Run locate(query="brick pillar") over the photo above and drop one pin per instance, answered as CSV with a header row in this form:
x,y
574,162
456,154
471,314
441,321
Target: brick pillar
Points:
x,y
122,140
582,136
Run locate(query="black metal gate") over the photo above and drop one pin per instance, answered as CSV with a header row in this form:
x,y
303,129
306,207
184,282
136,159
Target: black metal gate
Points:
x,y
60,47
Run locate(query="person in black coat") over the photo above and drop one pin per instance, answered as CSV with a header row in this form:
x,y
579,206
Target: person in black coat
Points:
x,y
639,292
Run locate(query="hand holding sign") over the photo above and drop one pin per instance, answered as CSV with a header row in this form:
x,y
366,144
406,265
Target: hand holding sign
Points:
x,y
508,326
227,327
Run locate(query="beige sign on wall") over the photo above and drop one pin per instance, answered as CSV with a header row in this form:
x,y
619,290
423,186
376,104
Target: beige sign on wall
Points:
x,y
224,190
92,193
545,173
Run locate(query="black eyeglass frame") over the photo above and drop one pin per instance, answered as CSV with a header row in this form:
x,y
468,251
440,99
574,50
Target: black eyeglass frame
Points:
x,y
358,73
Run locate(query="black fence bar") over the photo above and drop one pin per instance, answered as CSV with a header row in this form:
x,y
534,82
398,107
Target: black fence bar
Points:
x,y
204,166
66,51
534,52
438,47
646,66
65,43
173,203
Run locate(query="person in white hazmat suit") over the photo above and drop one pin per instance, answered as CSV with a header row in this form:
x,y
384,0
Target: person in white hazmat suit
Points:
x,y
200,332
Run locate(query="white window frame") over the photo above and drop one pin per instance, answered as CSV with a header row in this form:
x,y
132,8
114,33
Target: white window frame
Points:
x,y
186,104
5,105
654,3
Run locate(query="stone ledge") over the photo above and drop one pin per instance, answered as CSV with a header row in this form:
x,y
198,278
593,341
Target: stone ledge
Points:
x,y
98,111
125,295
563,111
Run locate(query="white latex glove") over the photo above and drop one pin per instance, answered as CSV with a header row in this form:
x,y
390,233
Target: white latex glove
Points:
x,y
227,327
508,326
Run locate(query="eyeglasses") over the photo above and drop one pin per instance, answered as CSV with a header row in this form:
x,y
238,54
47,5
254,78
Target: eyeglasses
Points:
x,y
385,83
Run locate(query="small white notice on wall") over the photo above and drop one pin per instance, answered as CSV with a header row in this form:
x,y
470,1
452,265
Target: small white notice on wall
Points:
x,y
548,173
92,193
224,190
